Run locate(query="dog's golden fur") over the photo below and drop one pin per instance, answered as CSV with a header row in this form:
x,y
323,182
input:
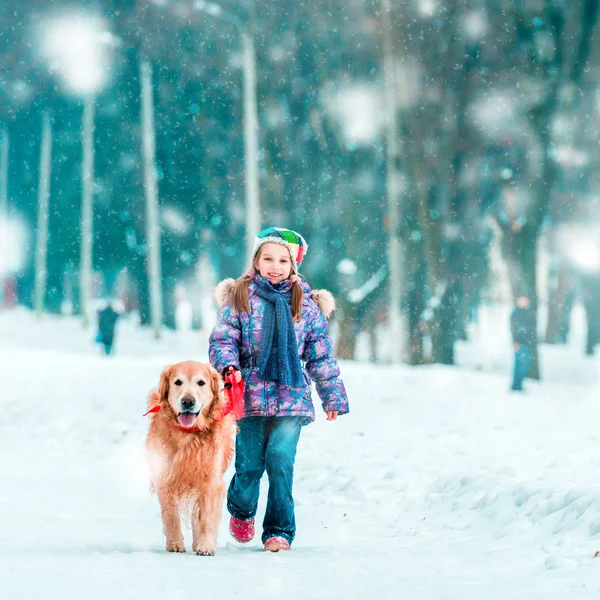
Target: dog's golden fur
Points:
x,y
187,468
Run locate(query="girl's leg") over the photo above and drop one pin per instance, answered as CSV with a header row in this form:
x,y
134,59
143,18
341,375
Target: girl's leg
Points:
x,y
279,460
242,496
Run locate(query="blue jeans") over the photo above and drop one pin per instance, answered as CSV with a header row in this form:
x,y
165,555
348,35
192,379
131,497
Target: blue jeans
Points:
x,y
523,358
266,443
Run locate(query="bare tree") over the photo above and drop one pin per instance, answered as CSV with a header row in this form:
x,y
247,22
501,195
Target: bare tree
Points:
x,y
398,332
151,192
544,38
577,89
4,148
42,219
87,209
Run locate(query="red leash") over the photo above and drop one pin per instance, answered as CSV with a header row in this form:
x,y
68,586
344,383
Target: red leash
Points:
x,y
235,395
235,401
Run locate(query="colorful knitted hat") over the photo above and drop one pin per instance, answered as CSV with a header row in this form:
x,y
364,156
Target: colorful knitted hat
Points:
x,y
286,237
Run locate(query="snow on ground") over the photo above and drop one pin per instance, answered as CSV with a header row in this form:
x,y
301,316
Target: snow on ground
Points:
x,y
439,484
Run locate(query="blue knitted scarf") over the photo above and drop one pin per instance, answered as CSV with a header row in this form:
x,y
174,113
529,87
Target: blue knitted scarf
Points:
x,y
278,358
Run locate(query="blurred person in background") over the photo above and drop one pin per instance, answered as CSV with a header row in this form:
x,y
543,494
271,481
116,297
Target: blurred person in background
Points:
x,y
107,320
523,328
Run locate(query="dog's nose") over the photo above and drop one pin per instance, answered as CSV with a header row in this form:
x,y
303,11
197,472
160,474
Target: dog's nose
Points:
x,y
188,401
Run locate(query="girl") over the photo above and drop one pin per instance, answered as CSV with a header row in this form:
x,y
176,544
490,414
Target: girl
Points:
x,y
268,324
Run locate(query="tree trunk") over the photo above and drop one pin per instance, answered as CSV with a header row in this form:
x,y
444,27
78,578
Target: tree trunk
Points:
x,y
346,343
152,206
398,332
251,152
529,256
41,246
87,210
4,175
424,253
3,211
558,309
416,306
142,287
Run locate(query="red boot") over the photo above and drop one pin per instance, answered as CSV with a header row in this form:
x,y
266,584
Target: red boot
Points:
x,y
276,543
241,531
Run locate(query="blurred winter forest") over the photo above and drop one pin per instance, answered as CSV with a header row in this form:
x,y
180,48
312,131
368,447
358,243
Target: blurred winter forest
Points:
x,y
436,154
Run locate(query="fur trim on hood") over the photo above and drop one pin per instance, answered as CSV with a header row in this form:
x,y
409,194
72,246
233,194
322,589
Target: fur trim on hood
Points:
x,y
224,291
325,301
323,298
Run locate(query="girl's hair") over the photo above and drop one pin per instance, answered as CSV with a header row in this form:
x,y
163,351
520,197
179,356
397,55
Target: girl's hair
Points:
x,y
240,290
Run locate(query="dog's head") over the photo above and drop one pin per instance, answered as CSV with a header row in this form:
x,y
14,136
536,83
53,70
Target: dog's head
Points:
x,y
191,390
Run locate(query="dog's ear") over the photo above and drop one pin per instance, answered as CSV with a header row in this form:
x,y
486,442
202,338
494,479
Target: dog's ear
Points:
x,y
153,399
163,386
215,384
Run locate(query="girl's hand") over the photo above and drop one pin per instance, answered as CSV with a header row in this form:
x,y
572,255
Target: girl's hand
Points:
x,y
332,415
238,374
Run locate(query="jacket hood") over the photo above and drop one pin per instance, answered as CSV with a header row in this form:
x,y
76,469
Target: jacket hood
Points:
x,y
323,298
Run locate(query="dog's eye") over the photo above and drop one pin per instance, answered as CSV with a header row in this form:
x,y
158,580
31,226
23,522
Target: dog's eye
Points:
x,y
178,382
200,382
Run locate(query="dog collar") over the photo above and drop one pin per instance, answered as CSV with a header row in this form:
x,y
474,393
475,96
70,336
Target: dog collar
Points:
x,y
188,429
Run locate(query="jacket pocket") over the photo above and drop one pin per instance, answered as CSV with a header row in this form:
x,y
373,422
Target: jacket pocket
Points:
x,y
254,393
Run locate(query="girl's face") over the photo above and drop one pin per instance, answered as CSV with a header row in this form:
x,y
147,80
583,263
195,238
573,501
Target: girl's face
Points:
x,y
274,262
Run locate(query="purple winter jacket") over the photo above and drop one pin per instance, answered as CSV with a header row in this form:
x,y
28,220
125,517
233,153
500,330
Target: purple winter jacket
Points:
x,y
235,341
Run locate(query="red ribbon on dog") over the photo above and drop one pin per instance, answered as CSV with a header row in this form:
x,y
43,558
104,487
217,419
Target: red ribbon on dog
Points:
x,y
154,409
235,395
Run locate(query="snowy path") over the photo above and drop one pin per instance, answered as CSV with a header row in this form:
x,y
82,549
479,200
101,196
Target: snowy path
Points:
x,y
439,484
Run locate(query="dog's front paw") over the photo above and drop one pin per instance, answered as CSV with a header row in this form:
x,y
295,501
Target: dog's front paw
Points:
x,y
204,551
175,547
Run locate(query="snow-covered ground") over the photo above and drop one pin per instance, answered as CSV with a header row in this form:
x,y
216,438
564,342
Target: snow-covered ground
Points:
x,y
439,484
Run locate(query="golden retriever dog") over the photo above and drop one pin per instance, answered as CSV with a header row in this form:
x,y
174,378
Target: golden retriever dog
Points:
x,y
189,446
